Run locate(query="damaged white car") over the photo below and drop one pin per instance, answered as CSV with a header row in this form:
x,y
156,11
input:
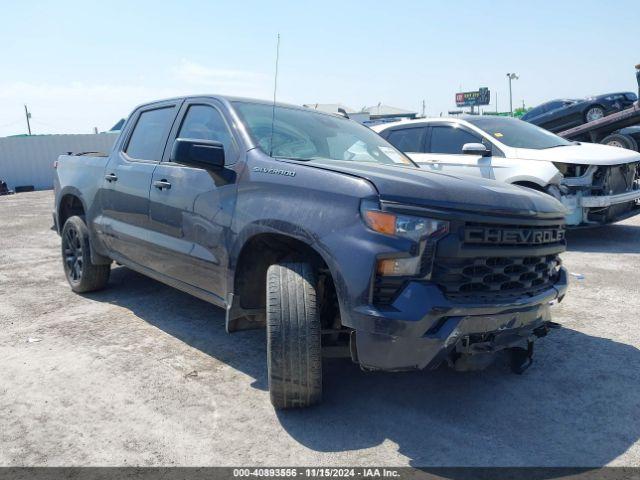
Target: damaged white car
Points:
x,y
598,184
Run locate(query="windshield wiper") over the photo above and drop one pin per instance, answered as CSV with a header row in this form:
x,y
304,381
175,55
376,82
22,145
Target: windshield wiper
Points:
x,y
283,157
559,145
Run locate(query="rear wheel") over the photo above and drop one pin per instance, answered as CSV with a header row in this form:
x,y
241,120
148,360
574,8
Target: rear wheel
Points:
x,y
593,113
620,140
294,359
82,275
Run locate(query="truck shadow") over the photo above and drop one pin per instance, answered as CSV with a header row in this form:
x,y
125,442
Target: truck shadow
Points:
x,y
619,238
577,405
189,319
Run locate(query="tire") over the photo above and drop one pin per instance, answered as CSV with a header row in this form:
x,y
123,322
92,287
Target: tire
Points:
x,y
294,360
593,113
620,140
82,275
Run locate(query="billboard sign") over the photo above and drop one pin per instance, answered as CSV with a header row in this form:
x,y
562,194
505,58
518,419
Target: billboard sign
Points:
x,y
472,99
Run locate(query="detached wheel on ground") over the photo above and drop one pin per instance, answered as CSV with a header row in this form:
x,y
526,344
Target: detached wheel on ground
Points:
x,y
82,275
620,140
593,113
294,359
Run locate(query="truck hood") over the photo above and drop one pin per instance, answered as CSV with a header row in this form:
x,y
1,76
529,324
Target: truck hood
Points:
x,y
581,154
412,186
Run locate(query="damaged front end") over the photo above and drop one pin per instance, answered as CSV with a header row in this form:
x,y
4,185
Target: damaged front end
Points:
x,y
599,194
477,351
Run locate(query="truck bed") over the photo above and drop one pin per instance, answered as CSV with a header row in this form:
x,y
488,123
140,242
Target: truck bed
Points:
x,y
82,172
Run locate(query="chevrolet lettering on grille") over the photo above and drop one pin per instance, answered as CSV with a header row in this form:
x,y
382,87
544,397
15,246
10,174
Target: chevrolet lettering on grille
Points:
x,y
513,236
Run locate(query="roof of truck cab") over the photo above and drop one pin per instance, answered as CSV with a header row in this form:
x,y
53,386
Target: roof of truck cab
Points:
x,y
229,99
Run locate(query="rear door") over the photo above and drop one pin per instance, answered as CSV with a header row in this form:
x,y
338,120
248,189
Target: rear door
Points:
x,y
124,196
191,208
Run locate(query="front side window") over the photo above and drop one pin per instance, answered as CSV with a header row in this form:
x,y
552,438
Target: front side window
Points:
x,y
203,122
300,134
150,134
408,139
450,140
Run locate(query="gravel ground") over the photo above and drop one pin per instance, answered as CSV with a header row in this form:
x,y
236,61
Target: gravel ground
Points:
x,y
142,374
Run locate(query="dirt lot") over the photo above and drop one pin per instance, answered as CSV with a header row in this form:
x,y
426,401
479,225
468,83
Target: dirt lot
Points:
x,y
141,374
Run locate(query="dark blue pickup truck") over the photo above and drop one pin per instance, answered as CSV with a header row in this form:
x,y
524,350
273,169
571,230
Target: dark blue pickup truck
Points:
x,y
316,228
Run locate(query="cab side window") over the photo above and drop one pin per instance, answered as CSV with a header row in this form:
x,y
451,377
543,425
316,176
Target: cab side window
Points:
x,y
203,122
150,134
408,140
450,140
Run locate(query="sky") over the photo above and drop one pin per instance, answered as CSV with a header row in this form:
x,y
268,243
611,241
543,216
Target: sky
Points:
x,y
80,65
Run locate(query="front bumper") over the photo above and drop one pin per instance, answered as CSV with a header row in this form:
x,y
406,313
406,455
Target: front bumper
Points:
x,y
422,327
584,211
608,200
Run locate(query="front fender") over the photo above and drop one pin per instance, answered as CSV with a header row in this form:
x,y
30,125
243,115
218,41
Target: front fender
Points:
x,y
545,174
292,231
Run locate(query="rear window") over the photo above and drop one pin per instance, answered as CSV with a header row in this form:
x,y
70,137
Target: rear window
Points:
x,y
408,139
554,106
150,134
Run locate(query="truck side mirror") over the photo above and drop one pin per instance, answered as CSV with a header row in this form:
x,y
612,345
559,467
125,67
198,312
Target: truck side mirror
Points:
x,y
207,154
476,149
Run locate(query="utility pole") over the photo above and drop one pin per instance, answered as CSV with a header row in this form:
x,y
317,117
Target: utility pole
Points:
x,y
424,108
27,114
511,76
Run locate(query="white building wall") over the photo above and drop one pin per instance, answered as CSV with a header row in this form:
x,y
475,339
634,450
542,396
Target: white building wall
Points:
x,y
29,160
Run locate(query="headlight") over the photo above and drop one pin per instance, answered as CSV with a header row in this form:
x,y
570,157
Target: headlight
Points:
x,y
562,167
422,230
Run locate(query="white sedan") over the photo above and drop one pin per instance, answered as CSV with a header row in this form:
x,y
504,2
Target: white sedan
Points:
x,y
598,184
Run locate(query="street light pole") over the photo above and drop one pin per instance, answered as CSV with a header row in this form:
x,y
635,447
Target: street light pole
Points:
x,y
510,97
511,76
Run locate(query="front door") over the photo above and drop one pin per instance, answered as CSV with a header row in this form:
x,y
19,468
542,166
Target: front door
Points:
x,y
444,152
124,196
191,208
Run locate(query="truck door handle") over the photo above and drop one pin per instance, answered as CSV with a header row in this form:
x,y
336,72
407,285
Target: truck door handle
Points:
x,y
162,184
111,177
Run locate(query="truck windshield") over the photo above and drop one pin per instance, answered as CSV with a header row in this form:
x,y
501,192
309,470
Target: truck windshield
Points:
x,y
517,133
300,134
